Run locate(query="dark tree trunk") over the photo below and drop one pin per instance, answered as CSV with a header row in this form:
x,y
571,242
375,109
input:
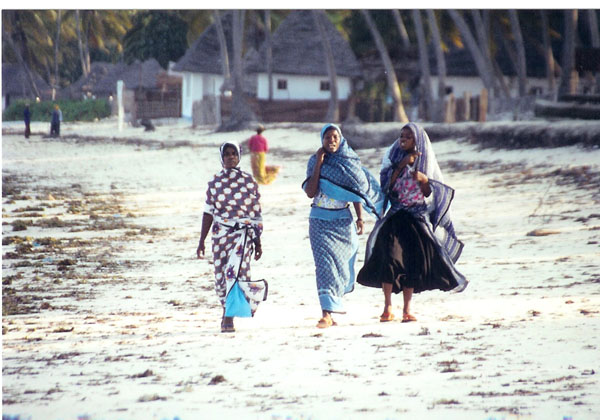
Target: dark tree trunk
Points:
x,y
333,112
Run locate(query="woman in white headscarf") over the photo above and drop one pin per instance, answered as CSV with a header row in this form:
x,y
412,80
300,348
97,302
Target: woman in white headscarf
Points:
x,y
414,247
233,209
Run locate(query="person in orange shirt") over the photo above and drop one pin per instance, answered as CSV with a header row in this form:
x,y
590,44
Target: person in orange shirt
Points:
x,y
258,150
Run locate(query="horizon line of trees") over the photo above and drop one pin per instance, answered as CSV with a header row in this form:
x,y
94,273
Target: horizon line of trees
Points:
x,y
60,45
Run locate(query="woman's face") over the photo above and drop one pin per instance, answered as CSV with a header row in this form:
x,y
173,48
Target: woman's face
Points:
x,y
407,140
231,158
331,140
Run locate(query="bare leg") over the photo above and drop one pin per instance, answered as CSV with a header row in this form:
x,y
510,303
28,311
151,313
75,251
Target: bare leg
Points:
x,y
387,296
407,293
326,321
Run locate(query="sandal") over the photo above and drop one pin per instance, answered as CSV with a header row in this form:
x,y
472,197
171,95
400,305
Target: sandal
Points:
x,y
325,323
408,318
387,318
227,325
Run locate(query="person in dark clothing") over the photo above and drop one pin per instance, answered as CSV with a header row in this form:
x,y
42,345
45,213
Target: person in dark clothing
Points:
x,y
27,120
55,122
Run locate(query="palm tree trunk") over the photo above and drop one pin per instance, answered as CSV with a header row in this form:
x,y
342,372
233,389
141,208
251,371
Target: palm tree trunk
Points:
x,y
80,43
567,84
401,28
548,55
333,112
393,86
57,49
241,113
593,25
34,89
224,52
520,47
440,63
424,62
480,62
269,47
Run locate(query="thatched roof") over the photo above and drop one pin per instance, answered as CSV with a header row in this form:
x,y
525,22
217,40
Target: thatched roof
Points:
x,y
204,56
98,70
15,82
297,48
136,75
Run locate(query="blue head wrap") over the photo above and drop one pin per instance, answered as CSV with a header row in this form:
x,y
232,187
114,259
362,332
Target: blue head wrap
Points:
x,y
344,178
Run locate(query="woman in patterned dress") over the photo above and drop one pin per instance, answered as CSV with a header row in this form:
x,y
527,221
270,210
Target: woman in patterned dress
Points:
x,y
233,209
335,178
414,247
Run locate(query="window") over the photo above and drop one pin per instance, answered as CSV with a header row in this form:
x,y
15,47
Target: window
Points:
x,y
324,85
282,84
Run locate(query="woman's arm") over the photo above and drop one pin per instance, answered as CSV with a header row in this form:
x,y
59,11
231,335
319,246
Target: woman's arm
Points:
x,y
408,160
207,220
360,224
312,186
423,181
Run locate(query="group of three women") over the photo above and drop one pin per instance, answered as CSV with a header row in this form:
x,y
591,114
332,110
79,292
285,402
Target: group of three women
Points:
x,y
412,247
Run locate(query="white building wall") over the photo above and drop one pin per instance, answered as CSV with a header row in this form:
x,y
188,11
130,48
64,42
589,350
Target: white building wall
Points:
x,y
195,86
474,85
300,87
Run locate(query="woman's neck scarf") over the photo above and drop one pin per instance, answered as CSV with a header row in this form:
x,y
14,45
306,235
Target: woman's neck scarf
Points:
x,y
343,177
230,144
442,193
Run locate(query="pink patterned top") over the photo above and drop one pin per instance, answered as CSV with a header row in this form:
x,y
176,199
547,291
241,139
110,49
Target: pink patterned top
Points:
x,y
407,190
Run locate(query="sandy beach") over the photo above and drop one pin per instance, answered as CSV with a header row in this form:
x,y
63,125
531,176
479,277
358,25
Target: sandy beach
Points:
x,y
108,314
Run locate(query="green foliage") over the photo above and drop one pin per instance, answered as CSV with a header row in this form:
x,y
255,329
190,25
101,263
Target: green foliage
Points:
x,y
156,34
87,110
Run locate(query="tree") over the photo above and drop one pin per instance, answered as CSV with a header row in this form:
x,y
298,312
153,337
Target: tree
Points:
x,y
241,113
520,47
269,47
224,52
424,62
438,115
567,84
401,28
155,34
483,69
333,112
548,54
392,81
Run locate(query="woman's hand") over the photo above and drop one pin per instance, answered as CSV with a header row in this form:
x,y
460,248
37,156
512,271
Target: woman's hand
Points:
x,y
200,250
360,226
320,156
409,159
257,250
423,181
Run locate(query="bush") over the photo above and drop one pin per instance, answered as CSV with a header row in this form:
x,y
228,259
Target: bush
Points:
x,y
87,110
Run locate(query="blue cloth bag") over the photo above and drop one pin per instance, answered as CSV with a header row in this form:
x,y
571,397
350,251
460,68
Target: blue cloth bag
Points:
x,y
236,304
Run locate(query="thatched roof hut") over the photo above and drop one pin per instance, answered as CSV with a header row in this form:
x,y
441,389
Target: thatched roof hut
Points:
x,y
135,76
204,56
15,83
87,84
297,48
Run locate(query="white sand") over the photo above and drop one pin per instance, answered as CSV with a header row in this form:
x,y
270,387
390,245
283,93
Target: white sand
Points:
x,y
522,342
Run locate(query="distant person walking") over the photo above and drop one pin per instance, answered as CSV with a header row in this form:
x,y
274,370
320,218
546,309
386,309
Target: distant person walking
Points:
x,y
27,120
258,155
55,121
414,247
336,178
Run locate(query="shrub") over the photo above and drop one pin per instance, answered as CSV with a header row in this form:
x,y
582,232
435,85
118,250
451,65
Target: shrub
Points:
x,y
87,110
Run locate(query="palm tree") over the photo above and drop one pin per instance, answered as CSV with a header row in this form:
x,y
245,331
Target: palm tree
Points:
x,y
269,48
481,64
438,115
56,51
520,47
333,112
424,62
593,25
567,84
401,28
548,55
241,113
394,88
224,52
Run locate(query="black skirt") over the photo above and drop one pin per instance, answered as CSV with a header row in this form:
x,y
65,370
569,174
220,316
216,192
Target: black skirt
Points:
x,y
406,254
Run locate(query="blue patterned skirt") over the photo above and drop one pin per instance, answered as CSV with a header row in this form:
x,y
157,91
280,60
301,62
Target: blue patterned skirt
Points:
x,y
334,244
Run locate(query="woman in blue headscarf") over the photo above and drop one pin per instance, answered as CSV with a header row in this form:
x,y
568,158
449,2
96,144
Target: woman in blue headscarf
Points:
x,y
414,247
335,178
